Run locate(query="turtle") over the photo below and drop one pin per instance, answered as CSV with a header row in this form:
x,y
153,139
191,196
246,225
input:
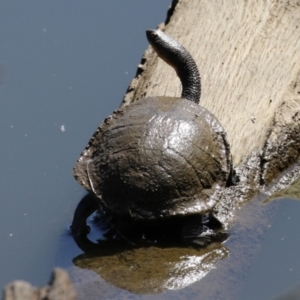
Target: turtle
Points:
x,y
156,168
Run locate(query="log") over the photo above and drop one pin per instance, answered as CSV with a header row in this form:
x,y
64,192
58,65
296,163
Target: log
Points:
x,y
248,54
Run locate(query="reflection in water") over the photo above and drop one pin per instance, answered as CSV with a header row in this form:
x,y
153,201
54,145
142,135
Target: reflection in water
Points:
x,y
138,267
152,269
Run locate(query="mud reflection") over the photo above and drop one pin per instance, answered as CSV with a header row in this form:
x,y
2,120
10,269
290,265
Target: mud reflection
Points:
x,y
153,269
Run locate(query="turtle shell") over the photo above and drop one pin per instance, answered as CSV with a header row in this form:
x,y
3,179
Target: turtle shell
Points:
x,y
156,158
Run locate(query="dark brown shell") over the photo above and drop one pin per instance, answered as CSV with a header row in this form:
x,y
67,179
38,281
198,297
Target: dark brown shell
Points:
x,y
155,158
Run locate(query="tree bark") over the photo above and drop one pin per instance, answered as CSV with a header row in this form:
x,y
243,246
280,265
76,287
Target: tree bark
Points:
x,y
248,54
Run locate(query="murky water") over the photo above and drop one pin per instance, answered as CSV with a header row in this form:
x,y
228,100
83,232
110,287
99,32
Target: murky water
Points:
x,y
64,66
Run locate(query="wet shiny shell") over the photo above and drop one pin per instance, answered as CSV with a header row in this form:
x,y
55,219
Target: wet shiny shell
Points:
x,y
155,158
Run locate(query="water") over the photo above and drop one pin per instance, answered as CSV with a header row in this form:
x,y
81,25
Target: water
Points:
x,y
277,266
64,67
62,63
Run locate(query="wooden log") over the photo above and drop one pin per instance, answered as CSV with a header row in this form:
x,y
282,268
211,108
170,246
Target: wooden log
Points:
x,y
248,54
